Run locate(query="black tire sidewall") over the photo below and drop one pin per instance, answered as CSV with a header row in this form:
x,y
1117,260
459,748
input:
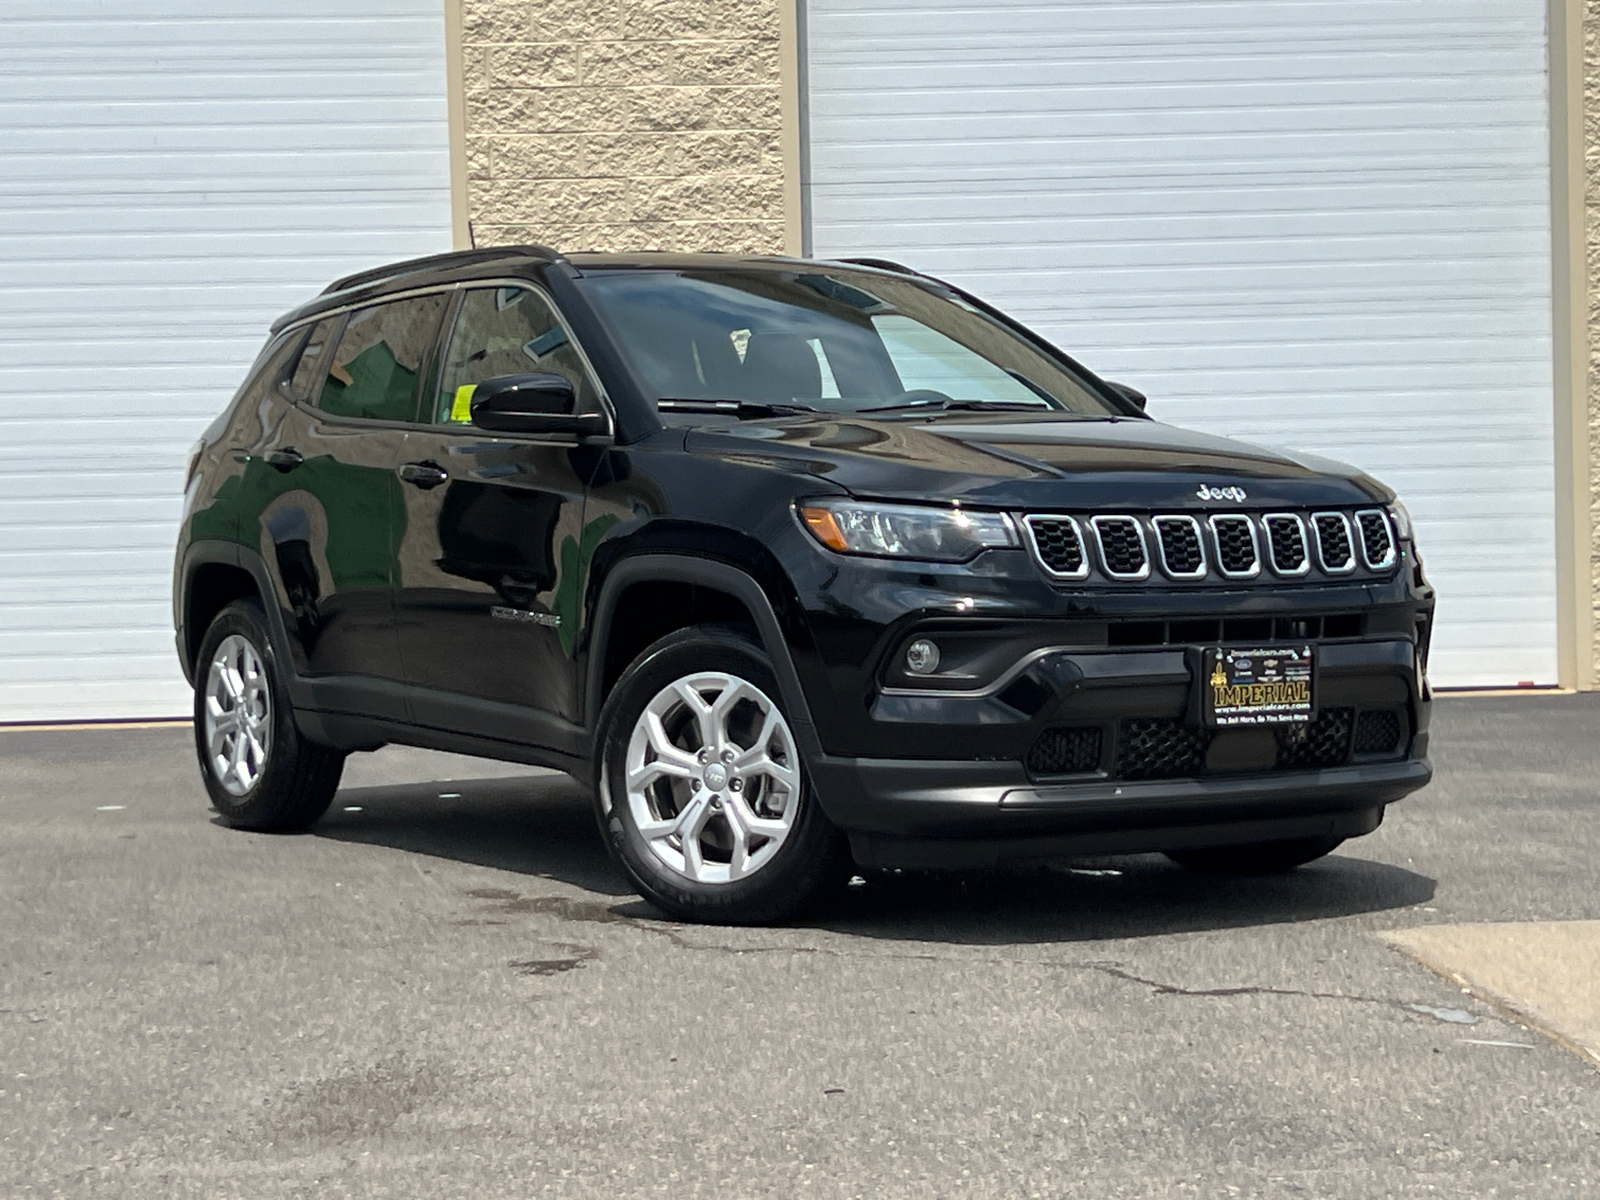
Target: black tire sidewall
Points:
x,y
802,867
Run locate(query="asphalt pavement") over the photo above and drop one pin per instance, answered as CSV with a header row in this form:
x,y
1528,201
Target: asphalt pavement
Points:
x,y
445,991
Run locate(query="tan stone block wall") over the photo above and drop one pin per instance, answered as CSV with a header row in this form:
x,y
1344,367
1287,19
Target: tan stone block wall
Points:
x,y
1591,156
624,124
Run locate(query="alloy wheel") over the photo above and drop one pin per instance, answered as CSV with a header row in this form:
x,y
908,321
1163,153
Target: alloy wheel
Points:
x,y
713,777
238,715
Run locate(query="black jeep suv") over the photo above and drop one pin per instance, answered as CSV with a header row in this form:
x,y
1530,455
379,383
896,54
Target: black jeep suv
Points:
x,y
800,565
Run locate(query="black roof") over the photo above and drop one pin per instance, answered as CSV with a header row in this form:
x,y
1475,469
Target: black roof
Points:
x,y
457,264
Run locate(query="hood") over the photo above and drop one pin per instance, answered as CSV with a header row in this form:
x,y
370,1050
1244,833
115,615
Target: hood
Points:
x,y
1039,462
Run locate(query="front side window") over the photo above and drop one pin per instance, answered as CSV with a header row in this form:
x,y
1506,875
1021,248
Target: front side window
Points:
x,y
505,331
842,341
380,358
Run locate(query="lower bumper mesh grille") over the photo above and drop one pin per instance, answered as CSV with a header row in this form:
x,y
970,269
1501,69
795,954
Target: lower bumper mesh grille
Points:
x,y
1065,751
1162,748
1377,731
1325,742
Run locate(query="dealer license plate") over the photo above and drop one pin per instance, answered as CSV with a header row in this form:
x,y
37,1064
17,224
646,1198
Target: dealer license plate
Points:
x,y
1259,687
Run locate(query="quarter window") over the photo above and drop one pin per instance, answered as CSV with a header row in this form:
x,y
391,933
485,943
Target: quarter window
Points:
x,y
505,331
303,382
380,358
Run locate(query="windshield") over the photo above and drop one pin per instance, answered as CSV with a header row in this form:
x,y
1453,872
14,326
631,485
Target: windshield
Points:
x,y
839,342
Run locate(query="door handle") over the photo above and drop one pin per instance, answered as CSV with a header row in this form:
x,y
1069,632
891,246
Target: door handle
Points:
x,y
286,459
424,475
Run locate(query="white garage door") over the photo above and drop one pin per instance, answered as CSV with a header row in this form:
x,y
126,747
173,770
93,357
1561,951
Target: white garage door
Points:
x,y
1317,225
173,174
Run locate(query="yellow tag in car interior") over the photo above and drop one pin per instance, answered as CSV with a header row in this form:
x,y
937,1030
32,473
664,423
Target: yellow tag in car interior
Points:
x,y
461,406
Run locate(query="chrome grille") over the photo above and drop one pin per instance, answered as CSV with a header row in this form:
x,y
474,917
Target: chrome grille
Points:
x,y
1058,543
1193,548
1182,554
1334,550
1122,549
1286,544
1238,556
1377,542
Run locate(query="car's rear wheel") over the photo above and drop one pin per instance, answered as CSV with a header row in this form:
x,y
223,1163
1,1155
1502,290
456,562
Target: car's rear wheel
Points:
x,y
1257,858
259,770
703,796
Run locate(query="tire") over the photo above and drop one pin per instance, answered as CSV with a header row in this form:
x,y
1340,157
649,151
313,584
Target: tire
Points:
x,y
1258,858
260,771
729,767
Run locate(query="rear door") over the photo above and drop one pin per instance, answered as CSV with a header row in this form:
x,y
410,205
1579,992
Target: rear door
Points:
x,y
490,568
326,498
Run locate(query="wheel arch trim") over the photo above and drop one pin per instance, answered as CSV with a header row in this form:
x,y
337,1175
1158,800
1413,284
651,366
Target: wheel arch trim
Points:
x,y
680,568
215,552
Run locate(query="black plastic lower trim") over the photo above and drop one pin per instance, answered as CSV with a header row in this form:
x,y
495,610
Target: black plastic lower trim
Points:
x,y
346,731
995,799
879,850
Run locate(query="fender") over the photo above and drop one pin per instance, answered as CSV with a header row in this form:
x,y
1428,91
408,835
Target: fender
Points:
x,y
680,568
233,554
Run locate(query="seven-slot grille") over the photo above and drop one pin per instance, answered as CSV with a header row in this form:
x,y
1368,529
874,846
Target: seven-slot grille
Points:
x,y
1122,549
1058,544
1333,542
1234,546
1377,542
1238,557
1286,544
1183,556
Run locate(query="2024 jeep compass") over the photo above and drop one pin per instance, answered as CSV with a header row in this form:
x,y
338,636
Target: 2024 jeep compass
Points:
x,y
799,564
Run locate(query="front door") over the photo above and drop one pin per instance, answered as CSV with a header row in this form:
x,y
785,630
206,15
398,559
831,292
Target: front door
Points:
x,y
490,573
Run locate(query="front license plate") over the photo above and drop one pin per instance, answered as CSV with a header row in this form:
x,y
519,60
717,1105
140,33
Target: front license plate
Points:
x,y
1259,687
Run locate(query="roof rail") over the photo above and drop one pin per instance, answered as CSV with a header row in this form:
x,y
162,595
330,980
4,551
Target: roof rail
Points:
x,y
881,264
452,258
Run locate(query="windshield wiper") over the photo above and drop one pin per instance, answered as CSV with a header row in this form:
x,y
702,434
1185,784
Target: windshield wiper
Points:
x,y
735,408
962,406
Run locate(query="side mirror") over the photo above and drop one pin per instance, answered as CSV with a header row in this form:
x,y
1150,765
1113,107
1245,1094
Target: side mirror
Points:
x,y
1132,395
540,402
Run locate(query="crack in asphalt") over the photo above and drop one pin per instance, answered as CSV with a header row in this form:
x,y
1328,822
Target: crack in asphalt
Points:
x,y
1172,989
589,910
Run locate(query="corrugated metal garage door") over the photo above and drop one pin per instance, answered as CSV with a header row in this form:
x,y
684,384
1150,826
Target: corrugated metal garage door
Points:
x,y
173,174
1316,225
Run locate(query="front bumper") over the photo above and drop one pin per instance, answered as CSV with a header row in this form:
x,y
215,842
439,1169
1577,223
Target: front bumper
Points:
x,y
978,803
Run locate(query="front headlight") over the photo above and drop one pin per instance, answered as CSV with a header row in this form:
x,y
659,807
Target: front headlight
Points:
x,y
905,530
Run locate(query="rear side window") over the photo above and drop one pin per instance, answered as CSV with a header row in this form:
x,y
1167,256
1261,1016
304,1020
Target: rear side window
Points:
x,y
375,369
302,384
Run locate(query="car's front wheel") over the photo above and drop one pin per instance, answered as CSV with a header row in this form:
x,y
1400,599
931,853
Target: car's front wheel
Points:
x,y
702,795
259,770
